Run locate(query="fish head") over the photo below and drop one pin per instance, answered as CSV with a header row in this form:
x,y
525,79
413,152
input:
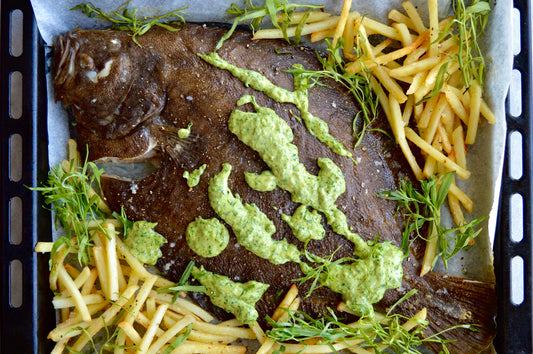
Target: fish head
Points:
x,y
98,74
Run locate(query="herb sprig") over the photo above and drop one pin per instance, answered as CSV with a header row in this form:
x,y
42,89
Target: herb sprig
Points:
x,y
424,207
71,196
376,333
359,86
256,15
125,19
182,284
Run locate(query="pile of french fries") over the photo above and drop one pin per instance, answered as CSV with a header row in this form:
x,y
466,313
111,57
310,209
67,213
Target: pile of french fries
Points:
x,y
441,126
115,300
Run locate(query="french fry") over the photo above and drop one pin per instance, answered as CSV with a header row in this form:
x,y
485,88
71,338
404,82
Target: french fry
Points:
x,y
75,294
111,261
106,317
473,118
413,14
291,31
434,121
390,84
99,258
61,302
151,330
169,334
82,276
452,95
195,347
403,30
183,306
314,16
348,36
380,28
415,67
130,332
433,27
89,283
487,112
291,294
239,332
445,161
397,125
397,16
204,337
339,30
467,203
459,146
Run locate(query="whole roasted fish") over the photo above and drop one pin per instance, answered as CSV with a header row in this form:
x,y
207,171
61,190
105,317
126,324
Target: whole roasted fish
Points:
x,y
130,103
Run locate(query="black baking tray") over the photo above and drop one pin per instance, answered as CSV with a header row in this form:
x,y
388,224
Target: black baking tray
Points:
x,y
26,314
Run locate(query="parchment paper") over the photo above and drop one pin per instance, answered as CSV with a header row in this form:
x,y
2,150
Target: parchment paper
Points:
x,y
485,158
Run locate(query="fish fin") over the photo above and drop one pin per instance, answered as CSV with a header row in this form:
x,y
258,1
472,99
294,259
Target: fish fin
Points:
x,y
452,301
185,152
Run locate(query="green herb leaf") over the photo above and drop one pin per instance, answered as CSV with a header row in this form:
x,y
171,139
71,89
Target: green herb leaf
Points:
x,y
257,13
376,333
182,284
424,207
359,86
70,196
179,340
125,20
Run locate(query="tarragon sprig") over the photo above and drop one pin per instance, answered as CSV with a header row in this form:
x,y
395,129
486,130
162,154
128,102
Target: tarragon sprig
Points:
x,y
255,15
182,284
359,86
424,207
377,333
125,19
71,196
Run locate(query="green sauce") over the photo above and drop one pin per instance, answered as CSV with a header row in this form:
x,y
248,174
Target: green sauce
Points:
x,y
236,298
184,133
305,224
193,178
144,242
207,238
299,97
252,227
269,135
364,281
263,182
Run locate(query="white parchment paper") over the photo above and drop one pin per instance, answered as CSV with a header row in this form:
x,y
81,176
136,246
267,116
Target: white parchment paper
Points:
x,y
485,158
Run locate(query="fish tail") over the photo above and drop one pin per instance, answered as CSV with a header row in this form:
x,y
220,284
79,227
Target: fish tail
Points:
x,y
452,302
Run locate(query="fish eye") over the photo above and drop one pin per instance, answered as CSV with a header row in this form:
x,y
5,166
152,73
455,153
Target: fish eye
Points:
x,y
86,62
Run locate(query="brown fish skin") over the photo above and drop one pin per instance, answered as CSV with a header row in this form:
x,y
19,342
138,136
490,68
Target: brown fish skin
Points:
x,y
168,70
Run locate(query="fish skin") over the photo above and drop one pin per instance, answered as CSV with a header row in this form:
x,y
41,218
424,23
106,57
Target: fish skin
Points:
x,y
167,84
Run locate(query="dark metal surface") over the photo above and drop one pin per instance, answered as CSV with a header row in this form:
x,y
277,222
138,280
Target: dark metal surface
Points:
x,y
515,320
24,328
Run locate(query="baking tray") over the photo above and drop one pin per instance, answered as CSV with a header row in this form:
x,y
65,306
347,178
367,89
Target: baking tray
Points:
x,y
26,314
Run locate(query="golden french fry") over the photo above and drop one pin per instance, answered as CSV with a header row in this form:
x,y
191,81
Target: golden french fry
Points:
x,y
403,30
339,30
389,83
413,14
459,146
169,334
107,317
397,125
151,330
314,16
415,67
441,158
433,27
434,121
473,119
397,16
291,294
